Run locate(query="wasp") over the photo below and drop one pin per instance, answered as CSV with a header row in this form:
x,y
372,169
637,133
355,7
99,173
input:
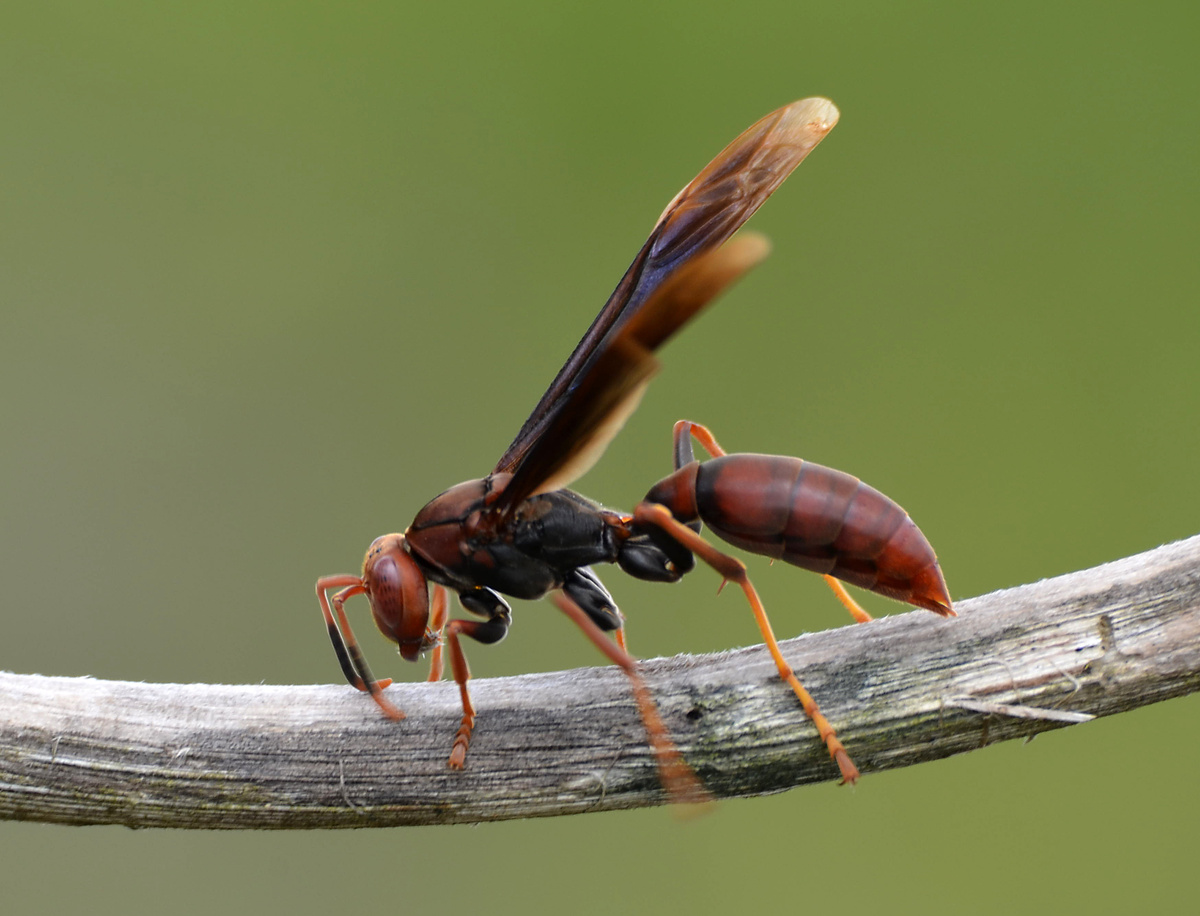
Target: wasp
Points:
x,y
520,532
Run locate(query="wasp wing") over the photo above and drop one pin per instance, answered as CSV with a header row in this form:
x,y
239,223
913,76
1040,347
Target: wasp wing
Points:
x,y
611,389
669,281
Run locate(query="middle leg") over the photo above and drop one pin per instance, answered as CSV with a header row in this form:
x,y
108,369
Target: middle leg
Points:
x,y
679,779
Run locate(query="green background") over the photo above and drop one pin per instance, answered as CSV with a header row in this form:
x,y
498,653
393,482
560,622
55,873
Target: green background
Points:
x,y
273,275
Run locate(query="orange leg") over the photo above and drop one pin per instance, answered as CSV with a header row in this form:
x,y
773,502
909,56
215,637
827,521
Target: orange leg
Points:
x,y
703,435
462,673
350,657
855,609
733,570
485,631
680,780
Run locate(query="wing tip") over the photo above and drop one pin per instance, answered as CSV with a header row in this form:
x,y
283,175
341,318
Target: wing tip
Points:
x,y
815,115
752,247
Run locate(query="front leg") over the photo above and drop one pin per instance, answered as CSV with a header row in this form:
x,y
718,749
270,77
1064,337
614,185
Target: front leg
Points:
x,y
495,628
439,609
350,658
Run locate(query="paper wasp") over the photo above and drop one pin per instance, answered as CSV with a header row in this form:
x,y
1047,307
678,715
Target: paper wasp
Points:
x,y
519,532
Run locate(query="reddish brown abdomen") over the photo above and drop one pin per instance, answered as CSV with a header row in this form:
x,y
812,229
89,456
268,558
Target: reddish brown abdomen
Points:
x,y
821,520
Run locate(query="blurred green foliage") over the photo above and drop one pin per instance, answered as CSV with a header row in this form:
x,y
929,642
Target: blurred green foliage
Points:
x,y
272,275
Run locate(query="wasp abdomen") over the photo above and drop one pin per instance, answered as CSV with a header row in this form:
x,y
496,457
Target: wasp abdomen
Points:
x,y
822,520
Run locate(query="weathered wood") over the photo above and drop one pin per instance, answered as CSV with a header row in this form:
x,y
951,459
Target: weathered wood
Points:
x,y
900,690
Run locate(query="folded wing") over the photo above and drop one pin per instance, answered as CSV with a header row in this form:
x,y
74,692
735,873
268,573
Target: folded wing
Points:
x,y
684,264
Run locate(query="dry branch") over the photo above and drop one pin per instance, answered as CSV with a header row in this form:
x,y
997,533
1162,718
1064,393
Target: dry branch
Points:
x,y
899,690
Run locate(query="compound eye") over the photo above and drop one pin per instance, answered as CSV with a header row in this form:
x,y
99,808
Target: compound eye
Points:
x,y
398,593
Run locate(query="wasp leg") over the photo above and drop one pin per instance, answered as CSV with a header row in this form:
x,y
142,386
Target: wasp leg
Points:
x,y
680,780
354,665
855,609
437,625
733,570
683,432
492,630
584,587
